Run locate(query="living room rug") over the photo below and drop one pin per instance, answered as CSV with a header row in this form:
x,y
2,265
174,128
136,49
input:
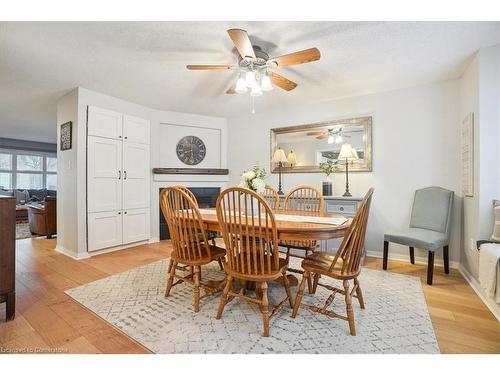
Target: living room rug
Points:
x,y
23,231
396,318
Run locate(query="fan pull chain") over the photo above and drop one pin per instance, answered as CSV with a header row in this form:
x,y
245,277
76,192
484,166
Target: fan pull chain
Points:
x,y
253,105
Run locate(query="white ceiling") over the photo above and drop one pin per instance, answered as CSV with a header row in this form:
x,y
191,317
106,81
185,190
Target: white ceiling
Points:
x,y
145,63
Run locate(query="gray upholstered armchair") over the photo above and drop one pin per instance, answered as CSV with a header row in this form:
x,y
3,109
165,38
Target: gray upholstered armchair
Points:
x,y
429,227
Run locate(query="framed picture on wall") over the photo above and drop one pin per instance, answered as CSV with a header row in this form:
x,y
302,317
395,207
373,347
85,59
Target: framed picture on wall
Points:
x,y
66,130
468,155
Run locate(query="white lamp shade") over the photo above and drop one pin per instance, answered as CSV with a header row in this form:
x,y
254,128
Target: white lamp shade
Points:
x,y
256,91
266,84
241,86
279,156
292,159
250,79
331,139
347,152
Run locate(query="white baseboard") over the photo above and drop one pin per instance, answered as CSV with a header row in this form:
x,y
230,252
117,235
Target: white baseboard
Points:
x,y
489,302
406,258
154,240
62,250
117,248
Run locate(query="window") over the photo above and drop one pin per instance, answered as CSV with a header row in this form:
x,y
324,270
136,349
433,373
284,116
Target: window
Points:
x,y
27,170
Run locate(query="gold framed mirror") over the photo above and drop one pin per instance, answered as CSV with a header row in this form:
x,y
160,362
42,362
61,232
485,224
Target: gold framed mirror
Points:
x,y
306,146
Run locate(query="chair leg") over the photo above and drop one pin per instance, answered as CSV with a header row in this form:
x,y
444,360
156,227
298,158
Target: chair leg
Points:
x,y
265,309
359,293
170,281
197,276
309,285
315,283
243,287
223,298
412,255
350,313
219,260
170,266
386,254
286,283
430,267
300,293
446,259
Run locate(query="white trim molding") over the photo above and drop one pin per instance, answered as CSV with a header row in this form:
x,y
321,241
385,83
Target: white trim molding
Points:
x,y
490,304
62,250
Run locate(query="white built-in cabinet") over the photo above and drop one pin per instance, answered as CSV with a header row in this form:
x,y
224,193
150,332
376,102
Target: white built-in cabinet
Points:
x,y
118,211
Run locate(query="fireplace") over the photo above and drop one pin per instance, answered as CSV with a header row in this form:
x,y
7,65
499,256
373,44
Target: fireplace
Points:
x,y
206,197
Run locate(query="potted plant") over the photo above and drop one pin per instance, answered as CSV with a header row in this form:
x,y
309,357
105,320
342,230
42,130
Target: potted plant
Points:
x,y
328,168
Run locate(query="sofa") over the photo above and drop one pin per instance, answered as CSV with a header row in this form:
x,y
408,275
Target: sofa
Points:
x,y
24,197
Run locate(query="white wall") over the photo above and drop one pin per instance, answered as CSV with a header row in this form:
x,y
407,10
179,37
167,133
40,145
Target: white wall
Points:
x,y
479,93
72,181
416,142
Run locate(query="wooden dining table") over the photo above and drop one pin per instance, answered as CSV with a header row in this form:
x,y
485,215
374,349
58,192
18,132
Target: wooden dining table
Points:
x,y
292,230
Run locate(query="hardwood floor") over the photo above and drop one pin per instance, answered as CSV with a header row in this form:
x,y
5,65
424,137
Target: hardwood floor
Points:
x,y
47,320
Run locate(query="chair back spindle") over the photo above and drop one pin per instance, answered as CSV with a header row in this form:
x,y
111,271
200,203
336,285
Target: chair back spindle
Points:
x,y
249,230
304,198
272,197
351,248
185,224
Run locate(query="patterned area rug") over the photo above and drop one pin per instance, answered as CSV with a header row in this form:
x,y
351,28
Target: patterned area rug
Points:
x,y
396,319
23,231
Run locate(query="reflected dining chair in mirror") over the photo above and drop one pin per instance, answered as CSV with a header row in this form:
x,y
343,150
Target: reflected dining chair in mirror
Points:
x,y
210,235
272,197
251,238
307,199
429,227
189,242
344,266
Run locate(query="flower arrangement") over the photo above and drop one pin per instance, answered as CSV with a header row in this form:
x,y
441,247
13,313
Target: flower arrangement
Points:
x,y
329,167
254,180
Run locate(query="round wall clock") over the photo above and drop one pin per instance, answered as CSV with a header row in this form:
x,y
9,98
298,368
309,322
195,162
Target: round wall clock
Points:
x,y
191,150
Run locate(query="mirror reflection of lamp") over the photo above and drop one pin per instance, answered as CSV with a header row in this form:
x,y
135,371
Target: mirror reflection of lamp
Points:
x,y
347,153
292,159
279,157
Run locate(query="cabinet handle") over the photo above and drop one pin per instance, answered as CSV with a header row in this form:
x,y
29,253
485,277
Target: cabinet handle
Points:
x,y
119,175
124,175
125,212
341,208
119,213
119,136
126,137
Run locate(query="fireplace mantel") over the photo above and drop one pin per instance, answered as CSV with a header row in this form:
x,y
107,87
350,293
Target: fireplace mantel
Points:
x,y
197,171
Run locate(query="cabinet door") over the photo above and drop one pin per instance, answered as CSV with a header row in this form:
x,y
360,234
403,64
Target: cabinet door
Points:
x,y
135,225
135,175
135,129
104,123
104,172
104,230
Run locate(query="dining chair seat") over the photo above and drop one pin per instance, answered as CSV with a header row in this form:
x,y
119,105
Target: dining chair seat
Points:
x,y
216,253
417,237
256,266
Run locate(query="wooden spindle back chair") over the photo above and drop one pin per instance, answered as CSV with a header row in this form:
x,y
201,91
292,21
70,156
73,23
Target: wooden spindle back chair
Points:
x,y
345,265
251,238
307,199
272,197
189,241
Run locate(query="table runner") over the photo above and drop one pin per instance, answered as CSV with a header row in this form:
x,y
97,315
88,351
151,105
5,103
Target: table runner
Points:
x,y
295,218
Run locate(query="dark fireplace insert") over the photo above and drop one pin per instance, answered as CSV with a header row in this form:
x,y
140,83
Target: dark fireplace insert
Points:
x,y
206,197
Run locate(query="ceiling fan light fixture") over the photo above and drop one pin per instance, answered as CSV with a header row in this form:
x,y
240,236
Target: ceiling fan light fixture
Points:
x,y
331,139
266,83
241,86
250,79
256,90
338,139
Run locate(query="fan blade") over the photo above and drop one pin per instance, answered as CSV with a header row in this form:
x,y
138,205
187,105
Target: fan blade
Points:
x,y
314,133
300,57
241,42
210,67
282,82
322,136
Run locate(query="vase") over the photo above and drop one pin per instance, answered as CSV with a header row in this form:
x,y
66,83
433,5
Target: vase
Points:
x,y
327,186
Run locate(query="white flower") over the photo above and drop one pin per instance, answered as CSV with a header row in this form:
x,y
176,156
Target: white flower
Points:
x,y
259,185
248,175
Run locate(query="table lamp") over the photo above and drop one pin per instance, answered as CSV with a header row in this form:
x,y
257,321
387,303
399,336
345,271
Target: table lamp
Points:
x,y
280,158
292,159
349,154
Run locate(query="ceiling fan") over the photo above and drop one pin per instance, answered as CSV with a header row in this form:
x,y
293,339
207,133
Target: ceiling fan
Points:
x,y
256,68
334,135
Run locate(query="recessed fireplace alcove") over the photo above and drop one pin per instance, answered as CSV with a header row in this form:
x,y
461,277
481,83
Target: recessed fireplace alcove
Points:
x,y
206,197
